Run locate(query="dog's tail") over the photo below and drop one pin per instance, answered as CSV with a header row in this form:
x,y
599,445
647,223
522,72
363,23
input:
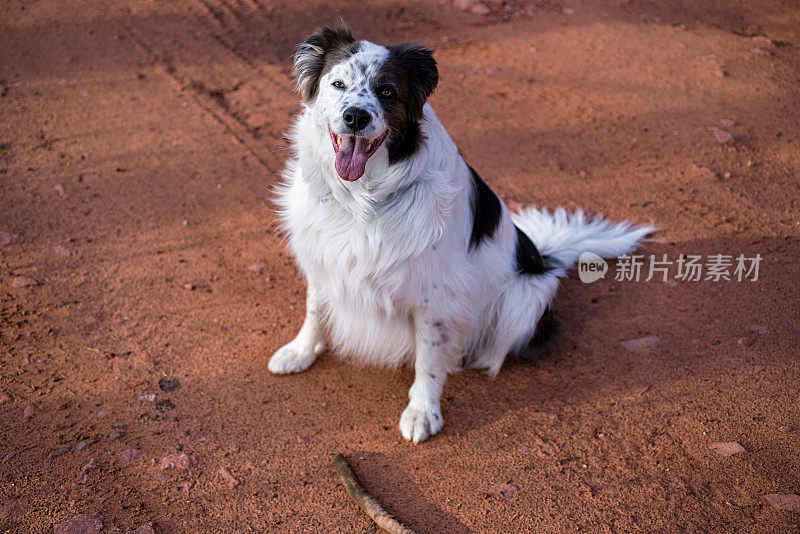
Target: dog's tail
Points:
x,y
562,237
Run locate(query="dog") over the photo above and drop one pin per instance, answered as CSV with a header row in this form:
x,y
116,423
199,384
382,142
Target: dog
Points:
x,y
410,258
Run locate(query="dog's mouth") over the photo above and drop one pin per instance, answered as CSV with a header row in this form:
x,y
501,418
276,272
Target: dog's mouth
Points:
x,y
352,153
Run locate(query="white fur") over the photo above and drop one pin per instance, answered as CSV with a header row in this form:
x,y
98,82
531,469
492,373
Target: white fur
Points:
x,y
390,274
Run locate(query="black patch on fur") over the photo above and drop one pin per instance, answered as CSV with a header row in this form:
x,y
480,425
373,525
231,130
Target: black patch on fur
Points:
x,y
323,49
547,333
410,72
529,261
486,211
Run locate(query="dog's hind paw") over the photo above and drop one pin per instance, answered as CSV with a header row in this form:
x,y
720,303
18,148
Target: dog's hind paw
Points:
x,y
418,425
288,359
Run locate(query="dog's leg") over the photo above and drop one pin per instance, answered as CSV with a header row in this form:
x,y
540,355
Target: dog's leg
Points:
x,y
423,416
298,355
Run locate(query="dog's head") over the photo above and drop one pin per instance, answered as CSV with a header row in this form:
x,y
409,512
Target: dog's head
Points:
x,y
368,97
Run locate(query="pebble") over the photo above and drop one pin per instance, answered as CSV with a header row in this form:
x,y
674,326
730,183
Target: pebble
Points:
x,y
29,410
102,413
786,429
150,397
8,457
758,328
479,9
62,251
85,443
464,5
169,384
640,344
4,397
549,449
114,436
744,341
229,478
256,268
59,452
90,466
504,489
81,524
15,508
144,529
164,405
24,281
7,238
722,136
761,52
780,501
179,461
727,449
129,456
728,123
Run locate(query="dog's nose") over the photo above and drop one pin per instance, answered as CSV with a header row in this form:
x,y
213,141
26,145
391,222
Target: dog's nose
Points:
x,y
356,118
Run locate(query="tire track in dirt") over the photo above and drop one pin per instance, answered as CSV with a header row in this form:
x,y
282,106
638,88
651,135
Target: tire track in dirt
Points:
x,y
248,119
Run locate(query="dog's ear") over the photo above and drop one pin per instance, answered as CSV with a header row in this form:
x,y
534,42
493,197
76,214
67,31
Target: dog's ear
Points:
x,y
421,72
309,61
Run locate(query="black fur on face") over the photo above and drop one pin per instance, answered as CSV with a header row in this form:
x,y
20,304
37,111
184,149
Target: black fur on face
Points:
x,y
410,75
323,49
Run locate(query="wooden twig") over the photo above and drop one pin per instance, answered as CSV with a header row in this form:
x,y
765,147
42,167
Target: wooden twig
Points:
x,y
367,502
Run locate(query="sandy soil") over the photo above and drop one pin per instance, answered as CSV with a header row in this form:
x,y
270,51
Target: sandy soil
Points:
x,y
138,142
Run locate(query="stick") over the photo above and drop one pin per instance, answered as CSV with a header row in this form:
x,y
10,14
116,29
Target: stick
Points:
x,y
367,502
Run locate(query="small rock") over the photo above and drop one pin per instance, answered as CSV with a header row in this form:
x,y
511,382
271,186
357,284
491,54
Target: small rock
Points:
x,y
114,436
4,397
223,340
229,478
784,501
188,287
7,238
504,489
162,477
492,71
62,251
480,10
179,461
671,282
640,344
85,443
464,5
490,447
59,452
129,456
722,136
744,341
169,384
144,529
150,397
786,429
24,281
14,509
7,458
90,466
164,405
102,413
60,189
187,486
764,40
727,449
761,52
549,449
758,328
81,524
721,73
524,449
256,268
29,410
568,11
728,123
548,415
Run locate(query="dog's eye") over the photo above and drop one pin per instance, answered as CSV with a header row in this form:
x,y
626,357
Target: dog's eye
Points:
x,y
387,92
339,84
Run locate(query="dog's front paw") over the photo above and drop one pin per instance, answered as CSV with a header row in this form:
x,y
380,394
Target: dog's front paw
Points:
x,y
418,425
290,359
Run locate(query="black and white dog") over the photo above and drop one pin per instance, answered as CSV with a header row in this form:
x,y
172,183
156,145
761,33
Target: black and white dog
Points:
x,y
409,256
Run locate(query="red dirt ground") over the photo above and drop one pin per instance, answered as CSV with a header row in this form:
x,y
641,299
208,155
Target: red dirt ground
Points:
x,y
139,142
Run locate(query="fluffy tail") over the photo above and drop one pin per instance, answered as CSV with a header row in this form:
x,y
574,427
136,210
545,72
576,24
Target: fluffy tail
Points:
x,y
562,237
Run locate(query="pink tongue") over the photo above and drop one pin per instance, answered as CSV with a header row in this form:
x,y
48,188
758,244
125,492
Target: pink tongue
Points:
x,y
352,157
